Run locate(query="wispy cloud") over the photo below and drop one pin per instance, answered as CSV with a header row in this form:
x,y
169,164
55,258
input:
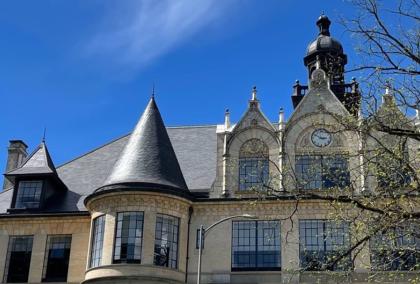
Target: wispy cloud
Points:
x,y
153,28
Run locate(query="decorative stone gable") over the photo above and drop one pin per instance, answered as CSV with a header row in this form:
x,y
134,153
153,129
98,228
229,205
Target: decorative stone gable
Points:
x,y
319,98
253,117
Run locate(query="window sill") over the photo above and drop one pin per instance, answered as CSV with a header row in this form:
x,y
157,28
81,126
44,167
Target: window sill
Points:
x,y
255,270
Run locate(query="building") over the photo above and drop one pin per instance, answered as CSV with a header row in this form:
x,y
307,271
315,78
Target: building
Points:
x,y
130,210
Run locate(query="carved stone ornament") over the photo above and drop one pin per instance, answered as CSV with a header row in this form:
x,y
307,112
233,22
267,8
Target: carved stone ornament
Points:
x,y
321,108
318,80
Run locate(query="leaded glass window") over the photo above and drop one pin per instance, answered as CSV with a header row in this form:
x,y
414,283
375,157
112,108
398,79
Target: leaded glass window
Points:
x,y
319,172
29,194
18,259
57,255
253,165
393,172
321,242
166,241
98,229
128,237
256,245
396,249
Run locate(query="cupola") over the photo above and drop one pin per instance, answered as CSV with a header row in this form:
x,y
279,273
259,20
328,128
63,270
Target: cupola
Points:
x,y
326,52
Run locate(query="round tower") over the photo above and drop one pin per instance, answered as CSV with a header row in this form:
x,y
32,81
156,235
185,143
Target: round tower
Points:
x,y
140,214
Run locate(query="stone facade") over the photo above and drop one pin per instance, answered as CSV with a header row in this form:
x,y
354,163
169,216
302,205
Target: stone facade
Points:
x,y
40,228
147,178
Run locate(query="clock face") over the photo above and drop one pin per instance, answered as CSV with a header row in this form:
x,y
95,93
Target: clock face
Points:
x,y
321,137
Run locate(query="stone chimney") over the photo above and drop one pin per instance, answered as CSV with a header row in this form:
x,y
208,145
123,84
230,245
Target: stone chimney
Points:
x,y
16,154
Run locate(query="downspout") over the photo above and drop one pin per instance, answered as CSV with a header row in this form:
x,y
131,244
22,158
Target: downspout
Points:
x,y
190,212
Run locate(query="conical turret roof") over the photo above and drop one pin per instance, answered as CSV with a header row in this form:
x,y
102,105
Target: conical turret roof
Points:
x,y
148,160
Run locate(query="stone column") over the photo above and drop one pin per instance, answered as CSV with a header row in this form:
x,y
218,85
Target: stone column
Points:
x,y
37,258
148,248
290,249
4,243
78,252
108,239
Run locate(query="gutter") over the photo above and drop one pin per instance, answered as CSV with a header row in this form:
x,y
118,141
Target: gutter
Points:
x,y
40,215
190,212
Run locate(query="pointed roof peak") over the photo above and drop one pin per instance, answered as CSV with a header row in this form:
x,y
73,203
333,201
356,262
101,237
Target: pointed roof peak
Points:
x,y
148,160
38,162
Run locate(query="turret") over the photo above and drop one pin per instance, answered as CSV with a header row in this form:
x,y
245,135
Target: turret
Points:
x,y
140,213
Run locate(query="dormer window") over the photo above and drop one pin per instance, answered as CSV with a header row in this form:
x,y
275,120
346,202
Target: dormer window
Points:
x,y
253,165
29,194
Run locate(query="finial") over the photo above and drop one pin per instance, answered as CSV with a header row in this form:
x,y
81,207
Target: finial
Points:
x,y
323,24
43,136
153,90
281,119
387,87
227,119
254,93
387,98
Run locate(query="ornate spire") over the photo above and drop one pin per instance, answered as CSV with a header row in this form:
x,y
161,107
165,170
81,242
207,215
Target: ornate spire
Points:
x,y
148,160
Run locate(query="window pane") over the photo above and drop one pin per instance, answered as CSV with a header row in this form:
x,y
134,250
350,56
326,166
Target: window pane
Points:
x,y
253,173
396,249
98,228
256,245
317,172
18,259
321,241
253,165
166,241
28,194
56,262
128,237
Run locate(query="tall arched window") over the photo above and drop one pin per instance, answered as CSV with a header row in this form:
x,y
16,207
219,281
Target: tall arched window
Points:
x,y
253,165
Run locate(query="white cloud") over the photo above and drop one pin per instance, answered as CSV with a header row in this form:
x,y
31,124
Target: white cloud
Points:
x,y
152,28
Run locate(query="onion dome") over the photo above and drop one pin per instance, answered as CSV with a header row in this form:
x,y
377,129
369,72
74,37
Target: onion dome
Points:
x,y
148,161
324,43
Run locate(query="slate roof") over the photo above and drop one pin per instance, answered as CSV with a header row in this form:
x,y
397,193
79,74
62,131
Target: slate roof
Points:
x,y
148,160
39,162
194,146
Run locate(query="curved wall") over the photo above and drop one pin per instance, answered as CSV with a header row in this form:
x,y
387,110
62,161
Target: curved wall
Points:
x,y
151,204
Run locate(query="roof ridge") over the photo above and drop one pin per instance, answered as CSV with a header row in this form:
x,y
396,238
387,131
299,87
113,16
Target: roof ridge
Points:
x,y
193,126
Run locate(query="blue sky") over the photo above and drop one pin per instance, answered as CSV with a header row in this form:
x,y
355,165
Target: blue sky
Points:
x,y
85,69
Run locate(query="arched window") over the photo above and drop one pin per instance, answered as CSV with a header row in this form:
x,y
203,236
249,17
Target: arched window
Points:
x,y
253,165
